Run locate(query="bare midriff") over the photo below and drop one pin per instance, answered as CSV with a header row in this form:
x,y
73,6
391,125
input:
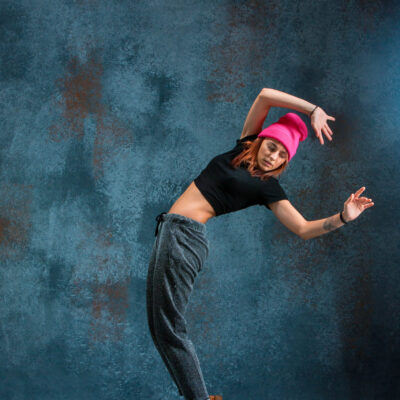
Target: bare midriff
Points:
x,y
193,204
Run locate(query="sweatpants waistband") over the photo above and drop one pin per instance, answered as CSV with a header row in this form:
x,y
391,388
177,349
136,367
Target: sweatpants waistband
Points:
x,y
181,220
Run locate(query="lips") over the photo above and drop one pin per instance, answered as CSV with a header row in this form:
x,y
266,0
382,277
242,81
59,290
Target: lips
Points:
x,y
267,163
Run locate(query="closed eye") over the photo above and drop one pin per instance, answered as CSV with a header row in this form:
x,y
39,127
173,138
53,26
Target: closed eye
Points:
x,y
273,148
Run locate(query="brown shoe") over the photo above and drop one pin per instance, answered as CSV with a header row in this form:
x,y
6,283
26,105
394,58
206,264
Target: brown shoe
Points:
x,y
216,397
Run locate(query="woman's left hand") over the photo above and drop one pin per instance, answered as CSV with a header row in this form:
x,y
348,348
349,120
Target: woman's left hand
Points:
x,y
319,124
355,205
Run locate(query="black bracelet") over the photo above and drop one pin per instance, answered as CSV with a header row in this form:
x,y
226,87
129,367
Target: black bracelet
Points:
x,y
341,217
313,110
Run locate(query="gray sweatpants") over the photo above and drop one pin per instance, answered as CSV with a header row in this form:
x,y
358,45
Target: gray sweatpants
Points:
x,y
177,257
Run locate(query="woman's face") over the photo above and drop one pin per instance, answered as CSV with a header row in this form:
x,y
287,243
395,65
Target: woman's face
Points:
x,y
271,155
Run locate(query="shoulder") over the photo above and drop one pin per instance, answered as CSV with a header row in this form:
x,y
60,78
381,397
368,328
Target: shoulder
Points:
x,y
273,184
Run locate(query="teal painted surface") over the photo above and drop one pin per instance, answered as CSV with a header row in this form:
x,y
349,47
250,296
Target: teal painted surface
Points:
x,y
108,111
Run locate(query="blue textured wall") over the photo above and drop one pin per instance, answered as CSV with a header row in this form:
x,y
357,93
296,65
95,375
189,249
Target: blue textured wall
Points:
x,y
109,109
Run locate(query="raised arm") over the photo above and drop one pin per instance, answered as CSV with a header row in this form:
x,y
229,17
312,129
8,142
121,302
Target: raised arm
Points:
x,y
276,98
295,222
256,116
268,98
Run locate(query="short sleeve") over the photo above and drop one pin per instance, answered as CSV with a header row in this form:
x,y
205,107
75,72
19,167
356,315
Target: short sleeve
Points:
x,y
272,192
246,138
239,143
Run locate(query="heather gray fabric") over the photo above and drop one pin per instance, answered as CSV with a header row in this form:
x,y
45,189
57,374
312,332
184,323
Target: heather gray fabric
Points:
x,y
177,257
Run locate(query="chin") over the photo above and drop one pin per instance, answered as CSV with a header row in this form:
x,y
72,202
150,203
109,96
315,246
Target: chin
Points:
x,y
266,169
263,169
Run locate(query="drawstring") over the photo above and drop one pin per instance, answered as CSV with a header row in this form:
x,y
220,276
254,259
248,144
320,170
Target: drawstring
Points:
x,y
159,218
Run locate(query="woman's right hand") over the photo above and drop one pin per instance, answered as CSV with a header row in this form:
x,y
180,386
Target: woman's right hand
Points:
x,y
355,205
319,124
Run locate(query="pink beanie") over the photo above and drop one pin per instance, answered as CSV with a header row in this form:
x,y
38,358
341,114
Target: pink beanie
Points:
x,y
289,130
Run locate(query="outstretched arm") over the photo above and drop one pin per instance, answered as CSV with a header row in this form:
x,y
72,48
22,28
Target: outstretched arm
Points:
x,y
322,226
295,222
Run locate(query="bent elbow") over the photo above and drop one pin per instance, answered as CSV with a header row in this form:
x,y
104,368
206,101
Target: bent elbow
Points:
x,y
264,91
301,236
303,232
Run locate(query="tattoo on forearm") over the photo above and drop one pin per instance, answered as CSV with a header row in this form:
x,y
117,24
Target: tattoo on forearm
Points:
x,y
329,225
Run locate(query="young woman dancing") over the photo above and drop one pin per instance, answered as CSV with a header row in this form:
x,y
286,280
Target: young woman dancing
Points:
x,y
237,179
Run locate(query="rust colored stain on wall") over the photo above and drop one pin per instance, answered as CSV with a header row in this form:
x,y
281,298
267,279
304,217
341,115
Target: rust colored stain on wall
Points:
x,y
81,91
110,302
111,136
237,53
81,96
15,220
109,299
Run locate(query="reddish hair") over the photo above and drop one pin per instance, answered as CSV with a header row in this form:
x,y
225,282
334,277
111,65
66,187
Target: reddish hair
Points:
x,y
248,157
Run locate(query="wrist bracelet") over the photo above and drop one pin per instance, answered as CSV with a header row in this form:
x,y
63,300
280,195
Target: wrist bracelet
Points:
x,y
341,217
313,110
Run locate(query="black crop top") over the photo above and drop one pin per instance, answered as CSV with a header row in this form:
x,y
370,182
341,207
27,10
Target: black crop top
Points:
x,y
228,189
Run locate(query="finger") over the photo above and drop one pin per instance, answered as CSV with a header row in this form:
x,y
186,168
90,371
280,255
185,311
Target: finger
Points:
x,y
362,203
329,129
331,118
359,191
326,133
368,205
321,139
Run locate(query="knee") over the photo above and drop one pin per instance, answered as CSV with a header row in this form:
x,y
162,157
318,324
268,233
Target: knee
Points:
x,y
169,329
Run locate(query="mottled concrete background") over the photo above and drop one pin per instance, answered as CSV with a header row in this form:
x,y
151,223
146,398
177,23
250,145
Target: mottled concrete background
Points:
x,y
109,109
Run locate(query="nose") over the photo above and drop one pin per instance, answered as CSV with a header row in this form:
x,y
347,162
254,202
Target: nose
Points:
x,y
273,155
